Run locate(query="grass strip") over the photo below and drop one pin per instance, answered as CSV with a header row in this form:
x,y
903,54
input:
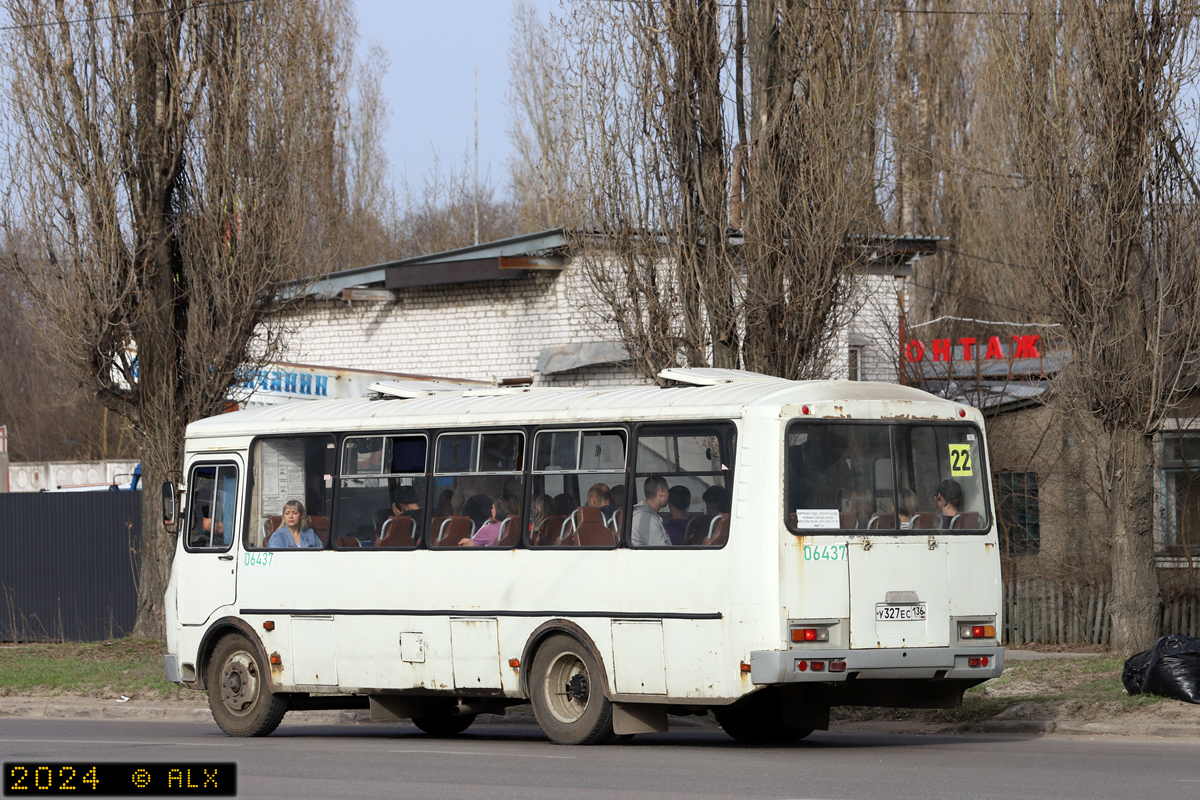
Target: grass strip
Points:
x,y
129,667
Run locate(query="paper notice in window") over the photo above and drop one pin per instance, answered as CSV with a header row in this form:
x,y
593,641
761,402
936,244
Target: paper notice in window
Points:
x,y
818,518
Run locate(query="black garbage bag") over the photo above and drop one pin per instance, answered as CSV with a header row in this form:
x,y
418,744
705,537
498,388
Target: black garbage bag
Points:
x,y
1171,669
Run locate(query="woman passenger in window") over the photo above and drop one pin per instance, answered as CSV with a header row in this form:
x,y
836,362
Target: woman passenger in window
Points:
x,y
295,530
906,507
504,506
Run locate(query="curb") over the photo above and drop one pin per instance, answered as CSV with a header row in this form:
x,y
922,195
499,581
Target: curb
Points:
x,y
30,708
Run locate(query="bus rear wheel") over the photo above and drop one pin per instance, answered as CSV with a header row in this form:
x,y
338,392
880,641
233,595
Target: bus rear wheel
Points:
x,y
443,723
567,694
238,692
757,720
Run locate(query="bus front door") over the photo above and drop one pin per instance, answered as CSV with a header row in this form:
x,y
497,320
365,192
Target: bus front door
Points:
x,y
206,564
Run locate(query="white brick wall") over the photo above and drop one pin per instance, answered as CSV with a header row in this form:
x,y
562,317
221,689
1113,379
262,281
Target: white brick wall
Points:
x,y
497,329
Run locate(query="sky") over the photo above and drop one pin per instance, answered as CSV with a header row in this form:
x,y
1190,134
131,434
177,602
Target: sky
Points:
x,y
434,48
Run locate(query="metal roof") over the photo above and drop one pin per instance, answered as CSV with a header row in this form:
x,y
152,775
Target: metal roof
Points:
x,y
376,274
729,396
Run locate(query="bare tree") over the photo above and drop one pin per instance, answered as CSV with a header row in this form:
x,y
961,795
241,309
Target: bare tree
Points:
x,y
170,160
438,213
538,173
1111,211
726,241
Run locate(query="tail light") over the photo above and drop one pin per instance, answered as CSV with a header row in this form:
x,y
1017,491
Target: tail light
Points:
x,y
972,631
977,661
810,634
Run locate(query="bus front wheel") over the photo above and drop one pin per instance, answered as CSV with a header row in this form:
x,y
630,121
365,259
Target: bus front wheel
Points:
x,y
567,694
238,692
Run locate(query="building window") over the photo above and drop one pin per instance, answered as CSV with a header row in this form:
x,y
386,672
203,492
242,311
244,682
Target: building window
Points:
x,y
1017,497
1180,475
854,359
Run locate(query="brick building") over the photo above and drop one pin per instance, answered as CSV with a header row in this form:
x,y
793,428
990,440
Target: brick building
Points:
x,y
518,309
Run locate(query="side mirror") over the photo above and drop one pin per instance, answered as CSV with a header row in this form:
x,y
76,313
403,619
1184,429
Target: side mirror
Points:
x,y
168,504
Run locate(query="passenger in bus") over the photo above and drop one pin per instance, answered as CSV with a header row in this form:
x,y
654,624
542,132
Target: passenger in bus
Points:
x,y
716,500
862,506
479,508
647,529
679,499
542,508
296,531
616,502
445,503
565,504
598,496
948,496
503,507
406,503
906,507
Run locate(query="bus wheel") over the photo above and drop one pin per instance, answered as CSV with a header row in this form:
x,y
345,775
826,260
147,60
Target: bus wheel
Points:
x,y
567,694
443,723
238,694
756,720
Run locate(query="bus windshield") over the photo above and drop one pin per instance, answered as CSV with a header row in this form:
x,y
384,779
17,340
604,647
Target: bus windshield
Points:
x,y
870,476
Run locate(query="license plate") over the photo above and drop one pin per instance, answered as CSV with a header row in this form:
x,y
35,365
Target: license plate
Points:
x,y
897,613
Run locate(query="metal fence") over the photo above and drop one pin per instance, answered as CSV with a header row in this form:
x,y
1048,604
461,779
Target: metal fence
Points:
x,y
68,565
1050,612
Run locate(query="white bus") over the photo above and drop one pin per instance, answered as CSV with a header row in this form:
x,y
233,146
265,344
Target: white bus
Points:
x,y
804,545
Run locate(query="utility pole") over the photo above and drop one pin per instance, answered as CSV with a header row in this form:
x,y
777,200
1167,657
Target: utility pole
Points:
x,y
476,192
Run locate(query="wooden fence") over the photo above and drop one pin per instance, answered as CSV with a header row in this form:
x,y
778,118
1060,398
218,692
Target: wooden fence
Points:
x,y
1047,612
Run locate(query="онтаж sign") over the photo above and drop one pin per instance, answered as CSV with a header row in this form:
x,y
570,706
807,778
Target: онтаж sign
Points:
x,y
943,349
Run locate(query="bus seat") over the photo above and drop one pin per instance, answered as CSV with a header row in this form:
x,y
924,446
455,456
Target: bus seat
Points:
x,y
450,530
697,530
926,520
848,521
882,521
548,534
589,528
510,530
718,531
347,541
320,526
967,520
397,532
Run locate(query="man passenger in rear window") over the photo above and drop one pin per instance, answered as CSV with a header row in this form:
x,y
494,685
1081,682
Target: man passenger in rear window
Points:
x,y
948,496
647,528
679,499
406,504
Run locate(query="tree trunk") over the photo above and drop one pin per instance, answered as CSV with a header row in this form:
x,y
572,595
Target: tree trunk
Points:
x,y
1136,601
155,554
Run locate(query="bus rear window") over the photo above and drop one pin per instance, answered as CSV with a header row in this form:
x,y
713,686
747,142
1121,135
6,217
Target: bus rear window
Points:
x,y
862,476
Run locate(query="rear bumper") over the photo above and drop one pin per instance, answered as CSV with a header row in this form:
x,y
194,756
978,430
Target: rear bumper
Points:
x,y
921,663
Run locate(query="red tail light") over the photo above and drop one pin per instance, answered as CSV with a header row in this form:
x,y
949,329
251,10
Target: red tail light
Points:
x,y
818,666
837,666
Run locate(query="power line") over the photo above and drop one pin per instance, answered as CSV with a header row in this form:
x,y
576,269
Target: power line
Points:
x,y
130,15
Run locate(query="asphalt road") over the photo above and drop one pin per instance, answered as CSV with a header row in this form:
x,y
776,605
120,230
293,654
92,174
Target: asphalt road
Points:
x,y
515,761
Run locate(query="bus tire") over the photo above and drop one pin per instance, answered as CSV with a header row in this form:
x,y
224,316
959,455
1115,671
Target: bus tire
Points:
x,y
567,694
443,723
238,692
756,720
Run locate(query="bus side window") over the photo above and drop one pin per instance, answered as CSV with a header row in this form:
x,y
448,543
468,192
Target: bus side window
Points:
x,y
576,474
476,474
211,507
294,468
697,464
